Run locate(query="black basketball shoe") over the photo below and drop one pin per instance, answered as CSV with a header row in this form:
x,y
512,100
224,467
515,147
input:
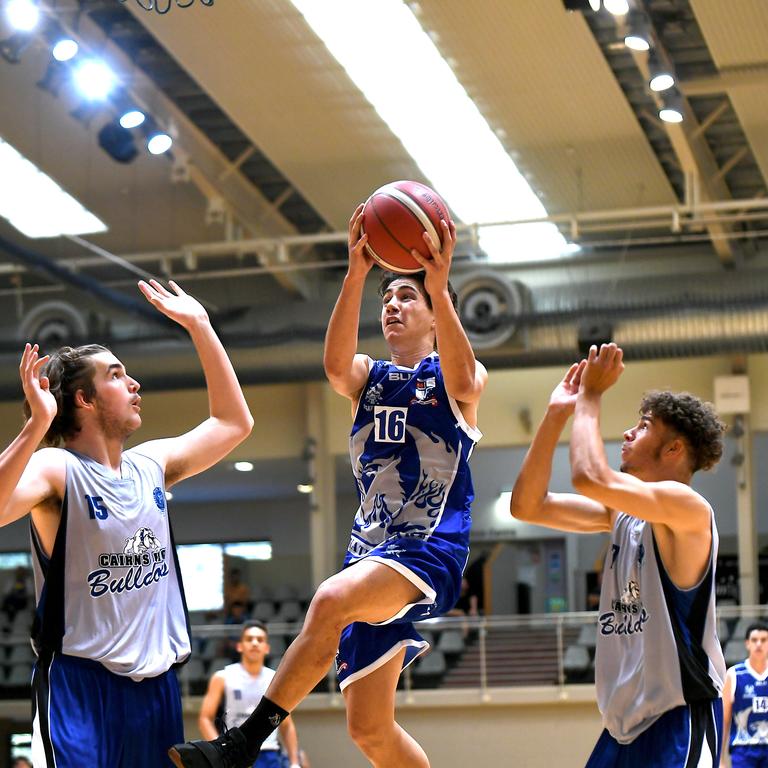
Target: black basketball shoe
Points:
x,y
230,750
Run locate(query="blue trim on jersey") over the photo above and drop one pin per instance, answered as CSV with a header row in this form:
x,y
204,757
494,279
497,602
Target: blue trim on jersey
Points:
x,y
749,719
688,611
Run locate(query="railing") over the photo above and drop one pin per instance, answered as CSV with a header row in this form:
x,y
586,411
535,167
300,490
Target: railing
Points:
x,y
471,653
483,653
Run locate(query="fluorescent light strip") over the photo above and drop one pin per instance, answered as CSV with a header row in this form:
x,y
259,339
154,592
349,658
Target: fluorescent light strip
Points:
x,y
35,204
400,71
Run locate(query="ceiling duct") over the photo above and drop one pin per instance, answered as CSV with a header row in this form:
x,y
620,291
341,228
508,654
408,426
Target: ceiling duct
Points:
x,y
52,324
489,304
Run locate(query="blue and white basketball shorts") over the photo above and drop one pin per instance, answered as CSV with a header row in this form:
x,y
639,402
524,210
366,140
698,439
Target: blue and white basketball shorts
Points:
x,y
435,566
749,757
685,737
84,715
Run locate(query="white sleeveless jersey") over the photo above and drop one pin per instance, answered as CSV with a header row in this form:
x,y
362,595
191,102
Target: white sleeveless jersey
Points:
x,y
243,692
111,590
657,645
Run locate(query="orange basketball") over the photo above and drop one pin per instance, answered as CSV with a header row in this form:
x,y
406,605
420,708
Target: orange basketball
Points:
x,y
395,218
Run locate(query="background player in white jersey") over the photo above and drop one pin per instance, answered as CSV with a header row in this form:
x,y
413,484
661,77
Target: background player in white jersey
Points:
x,y
111,619
240,687
745,703
415,424
659,667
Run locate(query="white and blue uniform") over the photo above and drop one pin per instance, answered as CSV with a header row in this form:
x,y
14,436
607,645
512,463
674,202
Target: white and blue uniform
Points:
x,y
242,693
111,621
659,668
748,742
410,448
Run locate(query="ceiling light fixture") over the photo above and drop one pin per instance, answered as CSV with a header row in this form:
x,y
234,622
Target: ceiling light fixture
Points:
x,y
34,192
483,185
661,77
305,487
616,7
65,49
672,109
95,80
638,37
118,143
159,143
243,466
23,15
12,47
132,118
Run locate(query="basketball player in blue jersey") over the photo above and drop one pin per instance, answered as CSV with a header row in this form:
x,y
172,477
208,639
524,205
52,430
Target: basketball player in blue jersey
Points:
x,y
659,668
745,703
239,688
111,619
414,428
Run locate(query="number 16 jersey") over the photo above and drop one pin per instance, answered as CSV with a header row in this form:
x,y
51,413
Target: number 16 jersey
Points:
x,y
410,446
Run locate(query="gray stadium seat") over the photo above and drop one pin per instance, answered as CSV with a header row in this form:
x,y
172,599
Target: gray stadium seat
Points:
x,y
290,610
218,663
285,592
19,674
193,670
277,645
734,651
588,636
431,664
576,659
264,610
451,641
21,653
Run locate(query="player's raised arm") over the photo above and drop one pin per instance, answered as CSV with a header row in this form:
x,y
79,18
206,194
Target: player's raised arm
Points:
x,y
465,377
229,421
531,499
668,501
28,478
346,370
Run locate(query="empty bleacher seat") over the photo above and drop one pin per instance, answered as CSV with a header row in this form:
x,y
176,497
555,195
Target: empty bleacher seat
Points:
x,y
734,651
277,644
264,610
451,642
576,659
193,671
588,636
431,664
290,610
21,653
285,592
19,674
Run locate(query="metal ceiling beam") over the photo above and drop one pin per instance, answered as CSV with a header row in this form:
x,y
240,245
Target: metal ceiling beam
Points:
x,y
210,170
729,78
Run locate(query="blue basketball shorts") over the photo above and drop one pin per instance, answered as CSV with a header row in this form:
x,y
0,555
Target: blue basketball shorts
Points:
x,y
749,757
435,567
85,715
684,737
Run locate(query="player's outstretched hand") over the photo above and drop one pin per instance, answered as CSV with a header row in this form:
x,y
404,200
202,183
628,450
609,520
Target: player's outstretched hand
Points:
x,y
438,264
179,306
563,397
602,370
42,403
360,261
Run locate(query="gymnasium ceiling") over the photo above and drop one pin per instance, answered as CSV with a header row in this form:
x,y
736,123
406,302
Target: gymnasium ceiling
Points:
x,y
273,139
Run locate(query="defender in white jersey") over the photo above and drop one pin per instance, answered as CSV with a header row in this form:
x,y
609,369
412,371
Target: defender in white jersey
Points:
x,y
745,703
659,668
111,620
415,424
239,688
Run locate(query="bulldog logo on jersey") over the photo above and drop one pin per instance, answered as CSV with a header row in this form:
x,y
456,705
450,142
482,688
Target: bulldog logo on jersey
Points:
x,y
425,391
628,616
373,396
144,540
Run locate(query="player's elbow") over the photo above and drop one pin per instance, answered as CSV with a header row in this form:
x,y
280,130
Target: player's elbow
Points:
x,y
524,509
585,482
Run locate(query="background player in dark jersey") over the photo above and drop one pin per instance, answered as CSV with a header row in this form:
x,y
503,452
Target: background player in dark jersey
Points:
x,y
745,703
111,619
415,424
656,627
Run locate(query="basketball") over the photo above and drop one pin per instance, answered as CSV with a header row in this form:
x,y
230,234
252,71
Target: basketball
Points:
x,y
395,218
